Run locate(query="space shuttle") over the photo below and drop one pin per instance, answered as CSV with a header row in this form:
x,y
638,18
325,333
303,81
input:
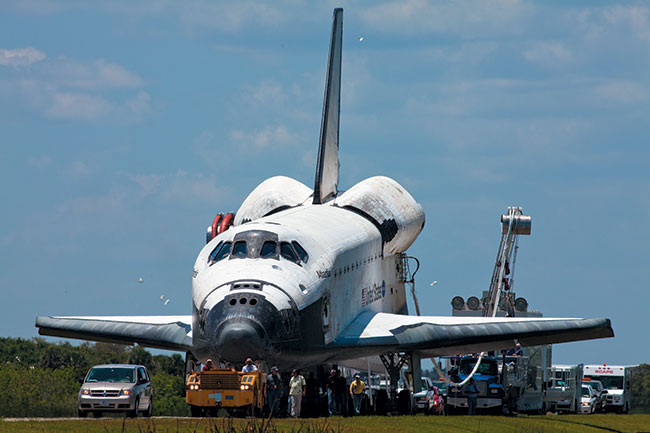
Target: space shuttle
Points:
x,y
302,276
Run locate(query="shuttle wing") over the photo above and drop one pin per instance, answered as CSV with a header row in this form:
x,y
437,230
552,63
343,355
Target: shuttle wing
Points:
x,y
161,332
376,333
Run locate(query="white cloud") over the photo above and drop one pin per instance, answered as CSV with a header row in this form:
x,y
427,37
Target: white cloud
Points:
x,y
78,106
227,18
276,136
45,7
548,52
196,187
42,161
140,105
103,204
112,75
621,91
132,190
465,18
635,18
148,183
267,93
65,88
20,56
77,169
96,75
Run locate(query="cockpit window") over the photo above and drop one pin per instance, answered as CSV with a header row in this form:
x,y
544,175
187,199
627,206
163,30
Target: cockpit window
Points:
x,y
269,250
214,252
301,251
287,252
223,252
239,250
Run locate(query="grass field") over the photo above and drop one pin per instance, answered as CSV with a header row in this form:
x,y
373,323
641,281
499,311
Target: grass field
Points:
x,y
487,424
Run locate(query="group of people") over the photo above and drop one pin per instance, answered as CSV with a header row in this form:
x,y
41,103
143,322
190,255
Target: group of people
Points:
x,y
274,390
300,388
337,389
248,367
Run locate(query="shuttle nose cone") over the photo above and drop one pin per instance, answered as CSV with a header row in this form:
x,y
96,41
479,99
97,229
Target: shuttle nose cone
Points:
x,y
238,341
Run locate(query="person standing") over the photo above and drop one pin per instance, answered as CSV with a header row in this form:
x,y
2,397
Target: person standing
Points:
x,y
311,410
340,393
357,388
249,367
297,388
208,365
331,386
472,394
273,391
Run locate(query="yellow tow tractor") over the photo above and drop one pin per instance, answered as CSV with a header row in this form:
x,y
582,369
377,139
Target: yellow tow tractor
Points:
x,y
239,393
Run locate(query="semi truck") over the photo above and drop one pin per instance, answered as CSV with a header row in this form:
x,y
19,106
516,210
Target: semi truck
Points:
x,y
238,393
616,380
490,397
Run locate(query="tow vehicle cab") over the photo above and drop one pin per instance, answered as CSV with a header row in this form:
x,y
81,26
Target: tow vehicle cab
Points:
x,y
232,390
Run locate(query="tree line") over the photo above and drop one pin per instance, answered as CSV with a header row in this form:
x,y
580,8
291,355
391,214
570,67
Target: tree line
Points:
x,y
41,379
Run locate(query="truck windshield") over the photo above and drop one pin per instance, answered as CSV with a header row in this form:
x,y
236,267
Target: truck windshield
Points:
x,y
487,367
111,374
594,385
610,382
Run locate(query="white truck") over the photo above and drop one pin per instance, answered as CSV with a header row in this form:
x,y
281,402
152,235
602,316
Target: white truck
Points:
x,y
564,389
616,380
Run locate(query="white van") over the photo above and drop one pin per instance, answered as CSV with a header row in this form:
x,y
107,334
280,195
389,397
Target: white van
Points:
x,y
616,379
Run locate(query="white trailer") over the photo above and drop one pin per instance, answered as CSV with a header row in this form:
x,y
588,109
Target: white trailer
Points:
x,y
564,389
616,380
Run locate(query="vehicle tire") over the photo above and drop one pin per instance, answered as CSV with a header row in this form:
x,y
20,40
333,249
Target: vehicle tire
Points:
x,y
197,411
136,409
82,413
147,413
97,414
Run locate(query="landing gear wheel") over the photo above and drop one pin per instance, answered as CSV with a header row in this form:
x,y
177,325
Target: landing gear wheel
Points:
x,y
97,414
82,413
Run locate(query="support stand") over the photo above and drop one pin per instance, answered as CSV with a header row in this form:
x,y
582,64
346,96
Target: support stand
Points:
x,y
393,363
416,373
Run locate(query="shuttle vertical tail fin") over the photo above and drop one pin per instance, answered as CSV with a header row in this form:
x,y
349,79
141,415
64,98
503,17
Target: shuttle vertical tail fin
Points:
x,y
327,166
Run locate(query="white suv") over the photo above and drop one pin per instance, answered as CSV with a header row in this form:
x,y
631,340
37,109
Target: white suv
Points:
x,y
588,400
116,388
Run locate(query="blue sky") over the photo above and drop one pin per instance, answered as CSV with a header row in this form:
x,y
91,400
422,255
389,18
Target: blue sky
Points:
x,y
126,126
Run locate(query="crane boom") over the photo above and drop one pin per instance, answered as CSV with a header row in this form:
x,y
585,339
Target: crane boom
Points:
x,y
513,224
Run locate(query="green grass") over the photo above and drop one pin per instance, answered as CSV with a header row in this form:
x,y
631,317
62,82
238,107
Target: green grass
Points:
x,y
419,424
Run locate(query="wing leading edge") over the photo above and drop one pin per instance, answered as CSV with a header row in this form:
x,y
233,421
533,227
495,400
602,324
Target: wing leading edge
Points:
x,y
160,332
375,333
